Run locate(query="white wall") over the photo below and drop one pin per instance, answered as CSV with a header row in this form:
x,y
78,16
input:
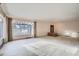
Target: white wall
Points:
x,y
1,11
70,28
43,28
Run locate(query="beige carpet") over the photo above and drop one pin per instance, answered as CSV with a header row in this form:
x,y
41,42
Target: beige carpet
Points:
x,y
44,46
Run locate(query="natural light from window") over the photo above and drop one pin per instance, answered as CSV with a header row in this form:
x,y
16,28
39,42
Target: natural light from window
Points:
x,y
22,28
71,34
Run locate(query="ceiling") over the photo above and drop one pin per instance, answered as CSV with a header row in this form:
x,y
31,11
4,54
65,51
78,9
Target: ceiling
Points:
x,y
43,11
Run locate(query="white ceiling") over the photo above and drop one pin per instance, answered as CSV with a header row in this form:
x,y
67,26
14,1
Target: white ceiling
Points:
x,y
43,11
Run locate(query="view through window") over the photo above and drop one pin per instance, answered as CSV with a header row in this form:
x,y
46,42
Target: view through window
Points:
x,y
21,28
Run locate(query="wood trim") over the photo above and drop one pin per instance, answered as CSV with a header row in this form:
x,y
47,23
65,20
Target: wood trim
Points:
x,y
9,29
35,29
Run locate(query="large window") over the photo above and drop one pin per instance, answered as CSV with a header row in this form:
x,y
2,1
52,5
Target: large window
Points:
x,y
1,28
22,28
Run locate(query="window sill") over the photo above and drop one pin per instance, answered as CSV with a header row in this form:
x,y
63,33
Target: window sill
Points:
x,y
21,37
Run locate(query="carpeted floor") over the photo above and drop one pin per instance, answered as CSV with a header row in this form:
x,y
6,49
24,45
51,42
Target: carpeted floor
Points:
x,y
44,46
